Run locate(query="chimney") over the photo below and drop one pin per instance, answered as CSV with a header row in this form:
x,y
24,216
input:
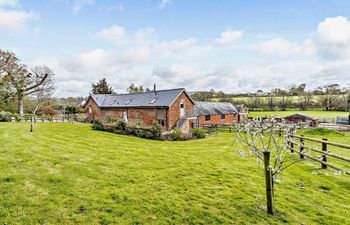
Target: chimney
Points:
x,y
154,87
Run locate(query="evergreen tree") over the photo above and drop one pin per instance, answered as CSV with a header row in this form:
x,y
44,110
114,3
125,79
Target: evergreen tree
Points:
x,y
102,87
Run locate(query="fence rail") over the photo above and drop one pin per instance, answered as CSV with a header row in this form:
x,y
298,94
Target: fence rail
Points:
x,y
325,152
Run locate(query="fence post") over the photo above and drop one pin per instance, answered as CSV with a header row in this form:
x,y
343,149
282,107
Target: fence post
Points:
x,y
268,182
291,144
301,146
324,156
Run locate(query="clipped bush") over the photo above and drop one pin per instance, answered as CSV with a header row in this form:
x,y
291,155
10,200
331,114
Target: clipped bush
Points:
x,y
199,133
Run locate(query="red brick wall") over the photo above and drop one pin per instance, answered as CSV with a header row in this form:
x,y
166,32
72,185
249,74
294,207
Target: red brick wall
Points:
x,y
96,111
173,113
145,116
216,120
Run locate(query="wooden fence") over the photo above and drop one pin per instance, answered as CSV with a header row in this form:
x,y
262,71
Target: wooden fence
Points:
x,y
296,143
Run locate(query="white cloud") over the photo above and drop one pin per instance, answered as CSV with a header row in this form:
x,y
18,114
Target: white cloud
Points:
x,y
228,37
143,59
335,30
77,5
115,34
8,3
14,21
333,37
283,47
164,3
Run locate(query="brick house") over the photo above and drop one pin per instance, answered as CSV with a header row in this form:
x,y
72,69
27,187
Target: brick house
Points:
x,y
213,114
163,106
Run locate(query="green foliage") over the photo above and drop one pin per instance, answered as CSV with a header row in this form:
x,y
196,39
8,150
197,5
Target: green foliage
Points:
x,y
27,117
97,125
17,117
176,135
156,131
111,120
199,133
102,87
121,125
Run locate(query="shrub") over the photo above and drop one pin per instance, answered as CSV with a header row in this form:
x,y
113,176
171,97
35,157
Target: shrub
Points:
x,y
48,110
3,116
110,120
17,117
131,129
121,125
27,117
176,135
97,125
199,133
156,131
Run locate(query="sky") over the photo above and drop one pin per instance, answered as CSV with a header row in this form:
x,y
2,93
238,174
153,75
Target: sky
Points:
x,y
226,45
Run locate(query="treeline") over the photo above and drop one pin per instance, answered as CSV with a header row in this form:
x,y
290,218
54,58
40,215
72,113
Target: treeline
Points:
x,y
331,97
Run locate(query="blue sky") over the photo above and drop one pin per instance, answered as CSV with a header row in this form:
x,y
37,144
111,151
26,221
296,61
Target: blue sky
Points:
x,y
234,46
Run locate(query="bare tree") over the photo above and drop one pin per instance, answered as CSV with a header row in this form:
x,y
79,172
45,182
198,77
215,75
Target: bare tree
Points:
x,y
20,80
43,91
304,101
266,142
330,99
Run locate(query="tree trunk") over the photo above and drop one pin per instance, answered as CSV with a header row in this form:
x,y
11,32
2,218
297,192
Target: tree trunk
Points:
x,y
269,183
20,105
32,124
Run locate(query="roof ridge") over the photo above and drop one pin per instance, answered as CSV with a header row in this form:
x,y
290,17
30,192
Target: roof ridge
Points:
x,y
144,92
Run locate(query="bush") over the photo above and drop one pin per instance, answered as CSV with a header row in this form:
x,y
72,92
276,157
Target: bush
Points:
x,y
17,117
4,116
48,110
121,125
97,125
199,133
156,131
176,135
27,117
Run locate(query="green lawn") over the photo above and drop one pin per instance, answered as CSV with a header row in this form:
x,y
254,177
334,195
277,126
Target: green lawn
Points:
x,y
70,174
313,113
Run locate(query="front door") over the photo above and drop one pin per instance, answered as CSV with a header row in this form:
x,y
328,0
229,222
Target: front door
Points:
x,y
182,108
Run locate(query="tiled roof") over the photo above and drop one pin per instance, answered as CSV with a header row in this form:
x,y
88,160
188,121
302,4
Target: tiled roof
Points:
x,y
161,98
212,108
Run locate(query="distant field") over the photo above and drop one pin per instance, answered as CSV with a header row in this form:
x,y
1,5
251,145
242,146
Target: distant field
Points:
x,y
312,113
265,99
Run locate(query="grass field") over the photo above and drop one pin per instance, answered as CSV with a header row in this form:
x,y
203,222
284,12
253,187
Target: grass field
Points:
x,y
312,113
70,174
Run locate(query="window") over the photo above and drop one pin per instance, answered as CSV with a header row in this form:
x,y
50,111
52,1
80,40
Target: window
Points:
x,y
182,105
161,117
223,116
161,122
90,109
207,118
